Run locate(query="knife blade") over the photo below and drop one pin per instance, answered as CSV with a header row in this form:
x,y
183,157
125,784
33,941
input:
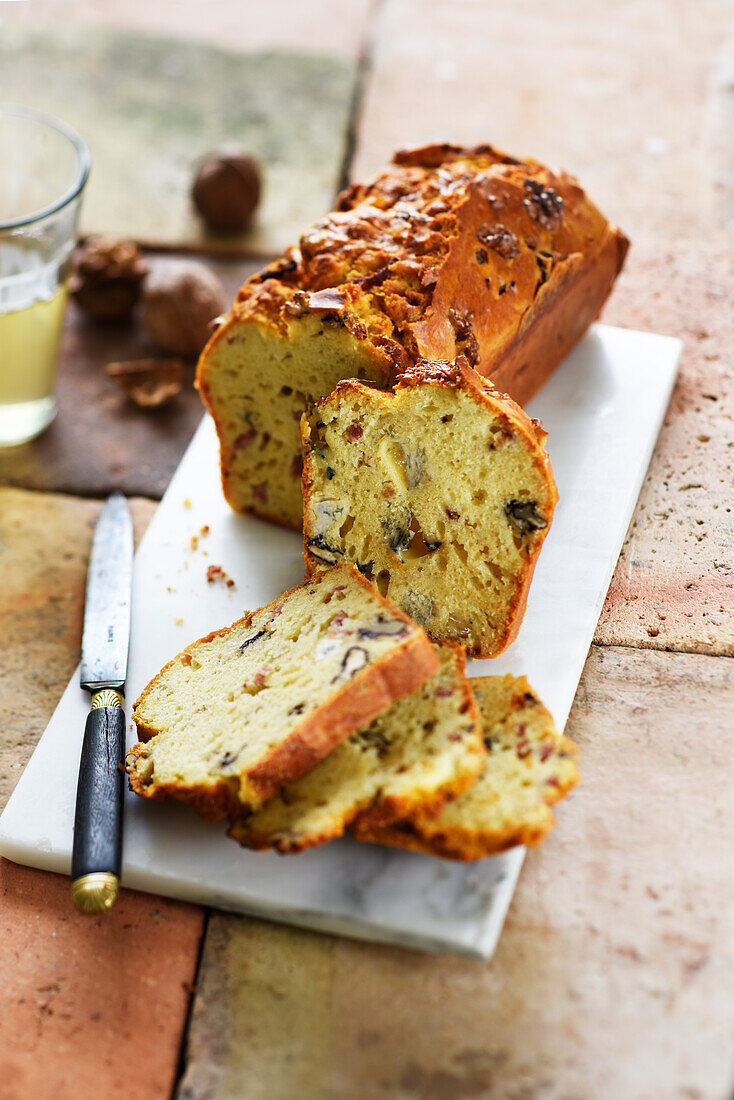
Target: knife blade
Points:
x,y
97,848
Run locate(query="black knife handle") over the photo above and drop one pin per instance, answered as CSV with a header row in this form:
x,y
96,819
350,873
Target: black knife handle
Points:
x,y
97,852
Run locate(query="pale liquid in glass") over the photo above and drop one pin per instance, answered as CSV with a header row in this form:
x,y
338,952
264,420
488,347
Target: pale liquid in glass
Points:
x,y
32,307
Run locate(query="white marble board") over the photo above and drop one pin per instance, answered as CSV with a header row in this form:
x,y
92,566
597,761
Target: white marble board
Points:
x,y
603,410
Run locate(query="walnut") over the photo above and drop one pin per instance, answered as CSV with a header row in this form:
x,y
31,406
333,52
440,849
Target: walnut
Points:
x,y
397,532
353,661
419,607
466,341
543,204
524,516
106,278
374,739
254,636
298,305
320,549
500,240
226,190
382,628
180,299
332,298
148,382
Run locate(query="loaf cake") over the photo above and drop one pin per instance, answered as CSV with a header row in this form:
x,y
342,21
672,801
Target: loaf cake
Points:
x,y
426,748
529,767
248,708
440,491
450,251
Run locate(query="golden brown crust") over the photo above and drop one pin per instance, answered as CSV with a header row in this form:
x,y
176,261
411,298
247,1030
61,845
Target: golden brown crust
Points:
x,y
438,257
465,850
559,319
465,845
461,834
212,803
249,838
434,154
350,708
433,372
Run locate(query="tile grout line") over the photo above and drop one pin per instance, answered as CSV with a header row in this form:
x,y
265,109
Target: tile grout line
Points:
x,y
661,649
92,496
364,69
182,1061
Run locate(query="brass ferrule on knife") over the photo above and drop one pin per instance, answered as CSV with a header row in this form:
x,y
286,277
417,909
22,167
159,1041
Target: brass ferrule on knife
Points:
x,y
107,697
96,892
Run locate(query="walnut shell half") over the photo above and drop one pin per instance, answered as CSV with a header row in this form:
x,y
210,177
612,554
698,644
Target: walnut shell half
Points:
x,y
148,382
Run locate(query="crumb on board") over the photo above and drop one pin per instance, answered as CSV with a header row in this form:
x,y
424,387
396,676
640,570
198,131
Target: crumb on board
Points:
x,y
187,503
203,531
178,622
215,573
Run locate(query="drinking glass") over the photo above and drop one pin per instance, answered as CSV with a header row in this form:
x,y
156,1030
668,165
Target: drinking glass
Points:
x,y
44,166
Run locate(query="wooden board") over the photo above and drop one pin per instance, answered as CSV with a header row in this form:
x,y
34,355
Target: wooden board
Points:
x,y
150,107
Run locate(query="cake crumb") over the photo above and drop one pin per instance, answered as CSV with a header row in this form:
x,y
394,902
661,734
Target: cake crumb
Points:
x,y
205,529
216,573
178,622
187,503
194,542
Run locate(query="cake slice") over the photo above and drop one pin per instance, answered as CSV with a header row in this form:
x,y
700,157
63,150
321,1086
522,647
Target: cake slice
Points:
x,y
253,706
529,767
440,491
426,748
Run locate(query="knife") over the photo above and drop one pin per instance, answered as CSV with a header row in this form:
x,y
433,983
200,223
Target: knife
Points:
x,y
97,850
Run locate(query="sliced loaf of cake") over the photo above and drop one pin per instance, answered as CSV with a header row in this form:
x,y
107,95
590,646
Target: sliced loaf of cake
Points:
x,y
449,250
426,748
248,708
440,491
529,766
